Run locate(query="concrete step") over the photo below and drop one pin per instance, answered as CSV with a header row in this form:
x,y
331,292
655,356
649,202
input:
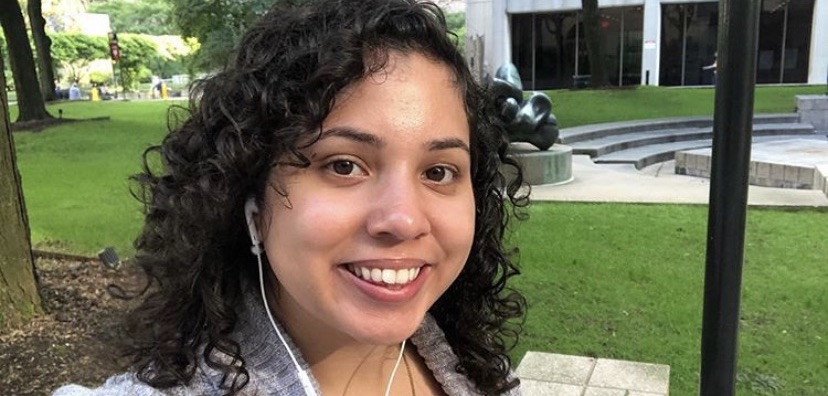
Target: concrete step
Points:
x,y
609,144
644,156
569,136
790,163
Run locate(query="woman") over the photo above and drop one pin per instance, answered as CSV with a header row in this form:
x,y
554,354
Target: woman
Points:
x,y
351,152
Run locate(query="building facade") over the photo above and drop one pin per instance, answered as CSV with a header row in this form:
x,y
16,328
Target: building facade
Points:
x,y
645,42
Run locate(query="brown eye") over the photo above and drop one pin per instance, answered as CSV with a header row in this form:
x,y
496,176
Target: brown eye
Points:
x,y
439,174
343,167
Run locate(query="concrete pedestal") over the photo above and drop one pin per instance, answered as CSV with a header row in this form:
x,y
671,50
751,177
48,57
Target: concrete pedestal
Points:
x,y
813,109
553,166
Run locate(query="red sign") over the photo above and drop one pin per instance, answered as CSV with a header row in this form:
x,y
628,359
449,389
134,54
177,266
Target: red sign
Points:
x,y
114,48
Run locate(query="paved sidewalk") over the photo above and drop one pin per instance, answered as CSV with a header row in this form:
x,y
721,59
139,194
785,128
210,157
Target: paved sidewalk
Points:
x,y
550,374
657,184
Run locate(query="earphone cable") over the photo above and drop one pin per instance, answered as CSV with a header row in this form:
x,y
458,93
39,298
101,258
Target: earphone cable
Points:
x,y
396,366
303,375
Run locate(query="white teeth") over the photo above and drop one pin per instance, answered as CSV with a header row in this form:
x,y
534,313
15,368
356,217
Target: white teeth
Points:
x,y
376,275
387,276
402,276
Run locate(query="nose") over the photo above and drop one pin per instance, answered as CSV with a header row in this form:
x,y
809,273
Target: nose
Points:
x,y
398,210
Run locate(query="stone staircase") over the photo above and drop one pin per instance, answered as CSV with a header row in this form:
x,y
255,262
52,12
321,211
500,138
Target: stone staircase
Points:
x,y
646,142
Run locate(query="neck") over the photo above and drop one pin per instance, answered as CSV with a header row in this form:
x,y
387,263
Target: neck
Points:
x,y
339,363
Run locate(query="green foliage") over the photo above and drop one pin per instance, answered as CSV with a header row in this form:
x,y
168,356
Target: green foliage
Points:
x,y
140,17
218,25
174,56
141,55
4,59
74,51
455,21
69,47
137,52
456,24
100,77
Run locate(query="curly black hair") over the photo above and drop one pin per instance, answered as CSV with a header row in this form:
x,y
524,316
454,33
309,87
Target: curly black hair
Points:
x,y
287,72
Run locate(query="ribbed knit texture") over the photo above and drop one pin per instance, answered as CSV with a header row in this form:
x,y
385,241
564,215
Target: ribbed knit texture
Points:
x,y
271,370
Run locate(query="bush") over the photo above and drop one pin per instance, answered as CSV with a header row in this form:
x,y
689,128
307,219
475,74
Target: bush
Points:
x,y
100,77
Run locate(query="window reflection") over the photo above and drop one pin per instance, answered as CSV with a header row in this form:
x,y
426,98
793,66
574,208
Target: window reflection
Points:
x,y
688,42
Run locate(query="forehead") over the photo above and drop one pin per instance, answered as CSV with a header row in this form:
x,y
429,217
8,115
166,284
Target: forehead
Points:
x,y
410,92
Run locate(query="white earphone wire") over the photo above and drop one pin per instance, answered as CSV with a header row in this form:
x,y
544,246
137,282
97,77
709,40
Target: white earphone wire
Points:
x,y
304,378
396,366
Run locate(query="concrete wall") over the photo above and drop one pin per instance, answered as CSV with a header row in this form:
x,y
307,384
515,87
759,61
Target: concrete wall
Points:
x,y
818,63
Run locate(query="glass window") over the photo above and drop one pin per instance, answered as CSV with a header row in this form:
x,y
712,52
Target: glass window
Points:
x,y
554,61
672,45
688,43
522,47
689,34
797,41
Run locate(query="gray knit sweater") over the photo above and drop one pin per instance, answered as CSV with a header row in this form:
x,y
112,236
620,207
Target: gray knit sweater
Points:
x,y
271,370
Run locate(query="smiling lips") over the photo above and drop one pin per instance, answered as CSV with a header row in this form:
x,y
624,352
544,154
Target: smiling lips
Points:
x,y
385,276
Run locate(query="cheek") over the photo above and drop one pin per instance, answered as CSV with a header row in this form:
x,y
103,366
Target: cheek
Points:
x,y
309,225
458,224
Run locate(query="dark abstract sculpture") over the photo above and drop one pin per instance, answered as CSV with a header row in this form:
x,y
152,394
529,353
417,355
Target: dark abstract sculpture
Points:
x,y
529,120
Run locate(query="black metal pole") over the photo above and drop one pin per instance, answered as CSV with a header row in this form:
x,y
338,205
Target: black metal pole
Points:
x,y
732,128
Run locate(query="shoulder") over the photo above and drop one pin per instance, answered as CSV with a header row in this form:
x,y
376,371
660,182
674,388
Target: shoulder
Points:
x,y
202,384
440,358
123,384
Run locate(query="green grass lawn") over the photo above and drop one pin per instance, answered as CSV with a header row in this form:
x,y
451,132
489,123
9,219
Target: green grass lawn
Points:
x,y
610,280
75,176
579,107
625,281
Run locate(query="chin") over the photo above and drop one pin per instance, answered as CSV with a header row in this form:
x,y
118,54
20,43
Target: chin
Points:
x,y
388,332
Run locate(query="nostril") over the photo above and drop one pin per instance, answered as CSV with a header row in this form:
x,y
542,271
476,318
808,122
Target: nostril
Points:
x,y
398,223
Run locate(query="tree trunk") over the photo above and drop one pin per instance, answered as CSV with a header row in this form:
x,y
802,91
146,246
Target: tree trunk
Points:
x,y
593,37
19,298
43,46
29,99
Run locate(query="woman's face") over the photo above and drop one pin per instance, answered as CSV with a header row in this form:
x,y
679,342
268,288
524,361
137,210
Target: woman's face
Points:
x,y
381,222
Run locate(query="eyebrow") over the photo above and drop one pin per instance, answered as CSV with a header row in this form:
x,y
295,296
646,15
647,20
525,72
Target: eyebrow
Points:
x,y
376,141
353,134
445,144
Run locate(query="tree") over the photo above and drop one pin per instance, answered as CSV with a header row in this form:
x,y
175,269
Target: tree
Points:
x,y
43,46
4,59
593,37
141,17
19,296
136,53
456,24
74,51
218,25
29,99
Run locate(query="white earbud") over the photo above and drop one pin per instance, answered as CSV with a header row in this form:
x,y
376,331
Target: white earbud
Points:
x,y
250,208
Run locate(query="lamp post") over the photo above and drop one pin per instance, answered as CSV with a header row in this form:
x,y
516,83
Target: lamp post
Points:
x,y
732,129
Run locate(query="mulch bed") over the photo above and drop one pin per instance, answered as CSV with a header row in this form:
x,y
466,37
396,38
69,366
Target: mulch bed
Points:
x,y
74,340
